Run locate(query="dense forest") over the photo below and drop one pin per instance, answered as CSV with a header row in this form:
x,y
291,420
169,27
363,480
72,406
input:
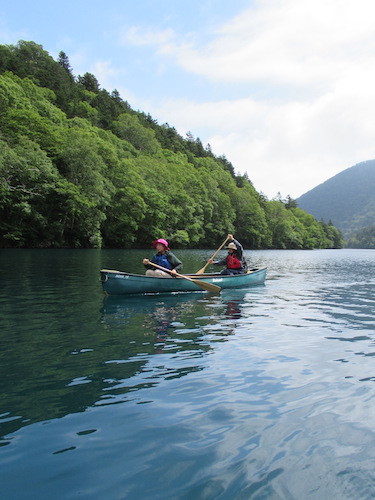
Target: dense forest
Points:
x,y
364,238
80,168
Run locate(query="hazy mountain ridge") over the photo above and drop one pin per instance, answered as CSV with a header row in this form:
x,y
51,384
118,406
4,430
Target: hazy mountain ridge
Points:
x,y
347,199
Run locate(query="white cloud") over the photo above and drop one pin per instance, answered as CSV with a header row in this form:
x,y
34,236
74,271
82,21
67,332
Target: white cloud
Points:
x,y
137,36
291,41
104,72
288,147
316,61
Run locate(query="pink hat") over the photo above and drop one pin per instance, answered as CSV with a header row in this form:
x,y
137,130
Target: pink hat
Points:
x,y
162,241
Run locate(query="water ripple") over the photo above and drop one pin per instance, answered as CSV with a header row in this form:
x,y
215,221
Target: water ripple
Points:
x,y
260,393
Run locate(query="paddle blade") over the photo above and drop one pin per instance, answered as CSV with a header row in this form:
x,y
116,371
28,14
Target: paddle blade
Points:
x,y
207,286
201,271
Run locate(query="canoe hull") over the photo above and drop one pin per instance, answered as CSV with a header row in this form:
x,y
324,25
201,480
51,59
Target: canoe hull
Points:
x,y
121,283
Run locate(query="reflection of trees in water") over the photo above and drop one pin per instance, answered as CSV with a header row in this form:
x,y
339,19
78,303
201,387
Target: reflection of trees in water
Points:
x,y
112,358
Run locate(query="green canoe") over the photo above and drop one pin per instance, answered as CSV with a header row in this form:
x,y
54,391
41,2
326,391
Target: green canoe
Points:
x,y
121,283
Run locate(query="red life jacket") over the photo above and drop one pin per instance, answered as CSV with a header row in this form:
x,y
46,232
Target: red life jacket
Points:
x,y
233,262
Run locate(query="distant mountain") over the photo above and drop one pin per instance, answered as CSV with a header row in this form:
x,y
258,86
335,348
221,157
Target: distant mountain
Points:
x,y
347,199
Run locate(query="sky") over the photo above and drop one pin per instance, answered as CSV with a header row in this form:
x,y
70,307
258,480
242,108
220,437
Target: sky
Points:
x,y
284,89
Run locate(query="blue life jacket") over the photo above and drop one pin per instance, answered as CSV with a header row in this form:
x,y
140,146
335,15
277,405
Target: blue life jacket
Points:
x,y
161,260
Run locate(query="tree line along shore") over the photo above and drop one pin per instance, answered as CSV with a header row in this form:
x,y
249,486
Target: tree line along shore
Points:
x,y
79,168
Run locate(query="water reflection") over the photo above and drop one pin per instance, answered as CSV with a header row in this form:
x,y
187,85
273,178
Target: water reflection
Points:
x,y
181,328
119,310
163,315
113,357
149,324
233,309
280,382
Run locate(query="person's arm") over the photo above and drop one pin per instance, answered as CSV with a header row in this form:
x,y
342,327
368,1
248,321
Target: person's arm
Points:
x,y
221,262
175,262
239,250
240,254
146,263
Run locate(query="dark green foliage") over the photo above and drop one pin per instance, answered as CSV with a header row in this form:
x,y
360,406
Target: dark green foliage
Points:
x,y
290,203
89,82
6,58
365,238
63,60
80,168
30,60
27,179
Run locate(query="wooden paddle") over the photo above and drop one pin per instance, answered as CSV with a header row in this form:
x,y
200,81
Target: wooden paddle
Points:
x,y
201,271
203,284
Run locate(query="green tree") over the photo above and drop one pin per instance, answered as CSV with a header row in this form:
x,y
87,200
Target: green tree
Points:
x,y
27,179
129,128
63,60
80,168
89,82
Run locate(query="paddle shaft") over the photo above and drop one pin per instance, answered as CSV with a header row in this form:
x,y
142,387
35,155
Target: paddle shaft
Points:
x,y
201,271
203,284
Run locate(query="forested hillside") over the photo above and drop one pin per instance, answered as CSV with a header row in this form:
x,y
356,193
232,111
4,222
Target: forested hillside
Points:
x,y
347,199
364,238
80,168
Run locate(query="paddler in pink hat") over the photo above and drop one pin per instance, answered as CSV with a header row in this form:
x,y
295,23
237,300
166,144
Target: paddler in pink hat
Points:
x,y
165,258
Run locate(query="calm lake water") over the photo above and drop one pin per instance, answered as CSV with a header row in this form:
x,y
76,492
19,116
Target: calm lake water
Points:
x,y
265,393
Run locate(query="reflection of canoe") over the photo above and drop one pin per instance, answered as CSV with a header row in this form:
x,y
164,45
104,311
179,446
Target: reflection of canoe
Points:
x,y
129,305
121,283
